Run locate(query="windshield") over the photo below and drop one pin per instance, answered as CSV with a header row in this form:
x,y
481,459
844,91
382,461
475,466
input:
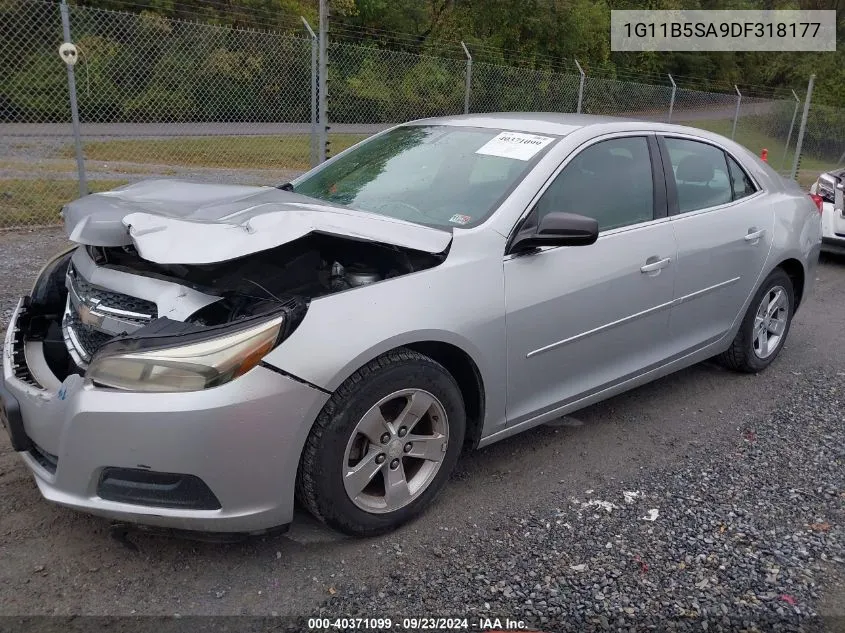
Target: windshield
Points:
x,y
436,175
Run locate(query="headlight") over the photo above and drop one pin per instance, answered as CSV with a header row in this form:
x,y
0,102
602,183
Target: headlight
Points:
x,y
192,366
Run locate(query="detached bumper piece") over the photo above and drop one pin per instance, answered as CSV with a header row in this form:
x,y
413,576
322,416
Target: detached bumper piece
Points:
x,y
150,488
20,369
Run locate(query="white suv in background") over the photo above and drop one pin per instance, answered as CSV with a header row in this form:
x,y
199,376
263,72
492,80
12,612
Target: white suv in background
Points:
x,y
830,189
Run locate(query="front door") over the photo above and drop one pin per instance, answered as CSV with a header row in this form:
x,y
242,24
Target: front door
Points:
x,y
580,318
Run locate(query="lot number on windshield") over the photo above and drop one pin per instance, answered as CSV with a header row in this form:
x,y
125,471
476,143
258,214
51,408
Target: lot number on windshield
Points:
x,y
514,145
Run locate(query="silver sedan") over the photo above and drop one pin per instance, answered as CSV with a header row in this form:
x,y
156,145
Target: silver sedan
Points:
x,y
209,353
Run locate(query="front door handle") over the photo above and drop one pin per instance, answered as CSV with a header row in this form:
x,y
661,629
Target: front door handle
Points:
x,y
754,235
655,264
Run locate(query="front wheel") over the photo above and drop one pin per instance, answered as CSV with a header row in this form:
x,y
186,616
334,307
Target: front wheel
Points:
x,y
764,327
383,446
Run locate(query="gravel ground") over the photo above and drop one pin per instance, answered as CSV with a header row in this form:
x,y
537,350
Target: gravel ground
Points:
x,y
22,254
724,540
745,473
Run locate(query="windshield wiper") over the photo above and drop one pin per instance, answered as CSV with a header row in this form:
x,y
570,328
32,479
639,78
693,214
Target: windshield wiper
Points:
x,y
285,186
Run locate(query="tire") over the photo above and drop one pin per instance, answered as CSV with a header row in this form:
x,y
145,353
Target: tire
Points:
x,y
343,439
745,353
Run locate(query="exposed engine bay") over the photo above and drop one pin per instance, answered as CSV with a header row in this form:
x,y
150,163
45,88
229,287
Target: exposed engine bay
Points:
x,y
74,318
307,268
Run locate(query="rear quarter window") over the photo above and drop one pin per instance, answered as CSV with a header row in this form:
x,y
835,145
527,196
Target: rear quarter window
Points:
x,y
701,174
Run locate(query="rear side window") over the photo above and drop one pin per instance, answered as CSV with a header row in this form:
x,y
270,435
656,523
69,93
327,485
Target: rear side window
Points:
x,y
701,174
742,185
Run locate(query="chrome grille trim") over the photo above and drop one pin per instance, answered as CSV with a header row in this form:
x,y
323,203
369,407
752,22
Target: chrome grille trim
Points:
x,y
93,315
77,352
108,301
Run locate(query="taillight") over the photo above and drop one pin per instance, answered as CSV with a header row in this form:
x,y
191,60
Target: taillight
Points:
x,y
818,200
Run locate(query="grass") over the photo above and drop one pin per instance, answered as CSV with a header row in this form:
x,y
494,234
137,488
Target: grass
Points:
x,y
37,202
756,140
289,151
50,167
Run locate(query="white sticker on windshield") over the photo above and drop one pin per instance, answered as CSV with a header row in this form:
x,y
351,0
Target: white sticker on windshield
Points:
x,y
515,145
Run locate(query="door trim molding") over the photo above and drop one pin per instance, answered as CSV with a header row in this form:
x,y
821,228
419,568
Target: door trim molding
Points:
x,y
632,317
606,391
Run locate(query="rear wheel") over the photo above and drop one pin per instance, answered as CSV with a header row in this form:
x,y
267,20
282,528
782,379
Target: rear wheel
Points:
x,y
383,446
764,327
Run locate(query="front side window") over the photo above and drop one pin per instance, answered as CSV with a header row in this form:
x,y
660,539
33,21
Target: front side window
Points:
x,y
437,175
610,181
701,174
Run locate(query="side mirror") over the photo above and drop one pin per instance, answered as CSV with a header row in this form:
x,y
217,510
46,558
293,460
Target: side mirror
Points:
x,y
558,229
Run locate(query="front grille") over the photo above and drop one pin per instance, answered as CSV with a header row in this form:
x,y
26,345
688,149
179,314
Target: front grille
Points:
x,y
84,339
157,489
111,300
95,315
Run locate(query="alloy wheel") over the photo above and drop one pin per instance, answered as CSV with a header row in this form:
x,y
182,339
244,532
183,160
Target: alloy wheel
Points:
x,y
395,451
770,322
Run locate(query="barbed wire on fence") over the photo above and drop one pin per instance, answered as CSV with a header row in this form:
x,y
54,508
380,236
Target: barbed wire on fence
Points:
x,y
164,98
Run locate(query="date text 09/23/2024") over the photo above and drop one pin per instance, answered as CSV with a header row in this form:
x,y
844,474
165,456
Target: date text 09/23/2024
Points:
x,y
487,625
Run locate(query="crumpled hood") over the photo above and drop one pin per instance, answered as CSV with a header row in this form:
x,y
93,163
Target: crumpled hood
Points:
x,y
177,222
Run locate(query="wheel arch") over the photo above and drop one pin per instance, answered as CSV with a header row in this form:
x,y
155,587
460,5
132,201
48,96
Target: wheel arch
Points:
x,y
466,373
794,269
455,354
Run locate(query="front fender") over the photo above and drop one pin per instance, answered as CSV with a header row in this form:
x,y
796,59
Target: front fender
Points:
x,y
460,302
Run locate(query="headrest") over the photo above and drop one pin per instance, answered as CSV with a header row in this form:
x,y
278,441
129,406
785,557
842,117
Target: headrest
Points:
x,y
694,168
604,162
615,164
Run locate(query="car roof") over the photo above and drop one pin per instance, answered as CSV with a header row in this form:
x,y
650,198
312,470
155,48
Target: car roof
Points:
x,y
560,123
534,122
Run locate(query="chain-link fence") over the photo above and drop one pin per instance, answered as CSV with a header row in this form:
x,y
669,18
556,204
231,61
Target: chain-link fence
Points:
x,y
169,98
823,146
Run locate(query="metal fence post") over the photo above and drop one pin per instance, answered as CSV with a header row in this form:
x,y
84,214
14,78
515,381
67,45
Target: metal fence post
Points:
x,y
74,110
672,99
736,115
580,87
791,126
323,79
315,141
797,159
469,78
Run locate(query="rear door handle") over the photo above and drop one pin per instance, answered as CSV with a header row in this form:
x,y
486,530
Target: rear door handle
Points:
x,y
754,235
654,266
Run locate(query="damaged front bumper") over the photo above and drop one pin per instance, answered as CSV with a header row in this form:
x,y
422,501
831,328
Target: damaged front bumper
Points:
x,y
218,460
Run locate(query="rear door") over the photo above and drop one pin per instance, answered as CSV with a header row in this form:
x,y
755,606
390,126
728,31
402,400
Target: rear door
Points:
x,y
723,224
